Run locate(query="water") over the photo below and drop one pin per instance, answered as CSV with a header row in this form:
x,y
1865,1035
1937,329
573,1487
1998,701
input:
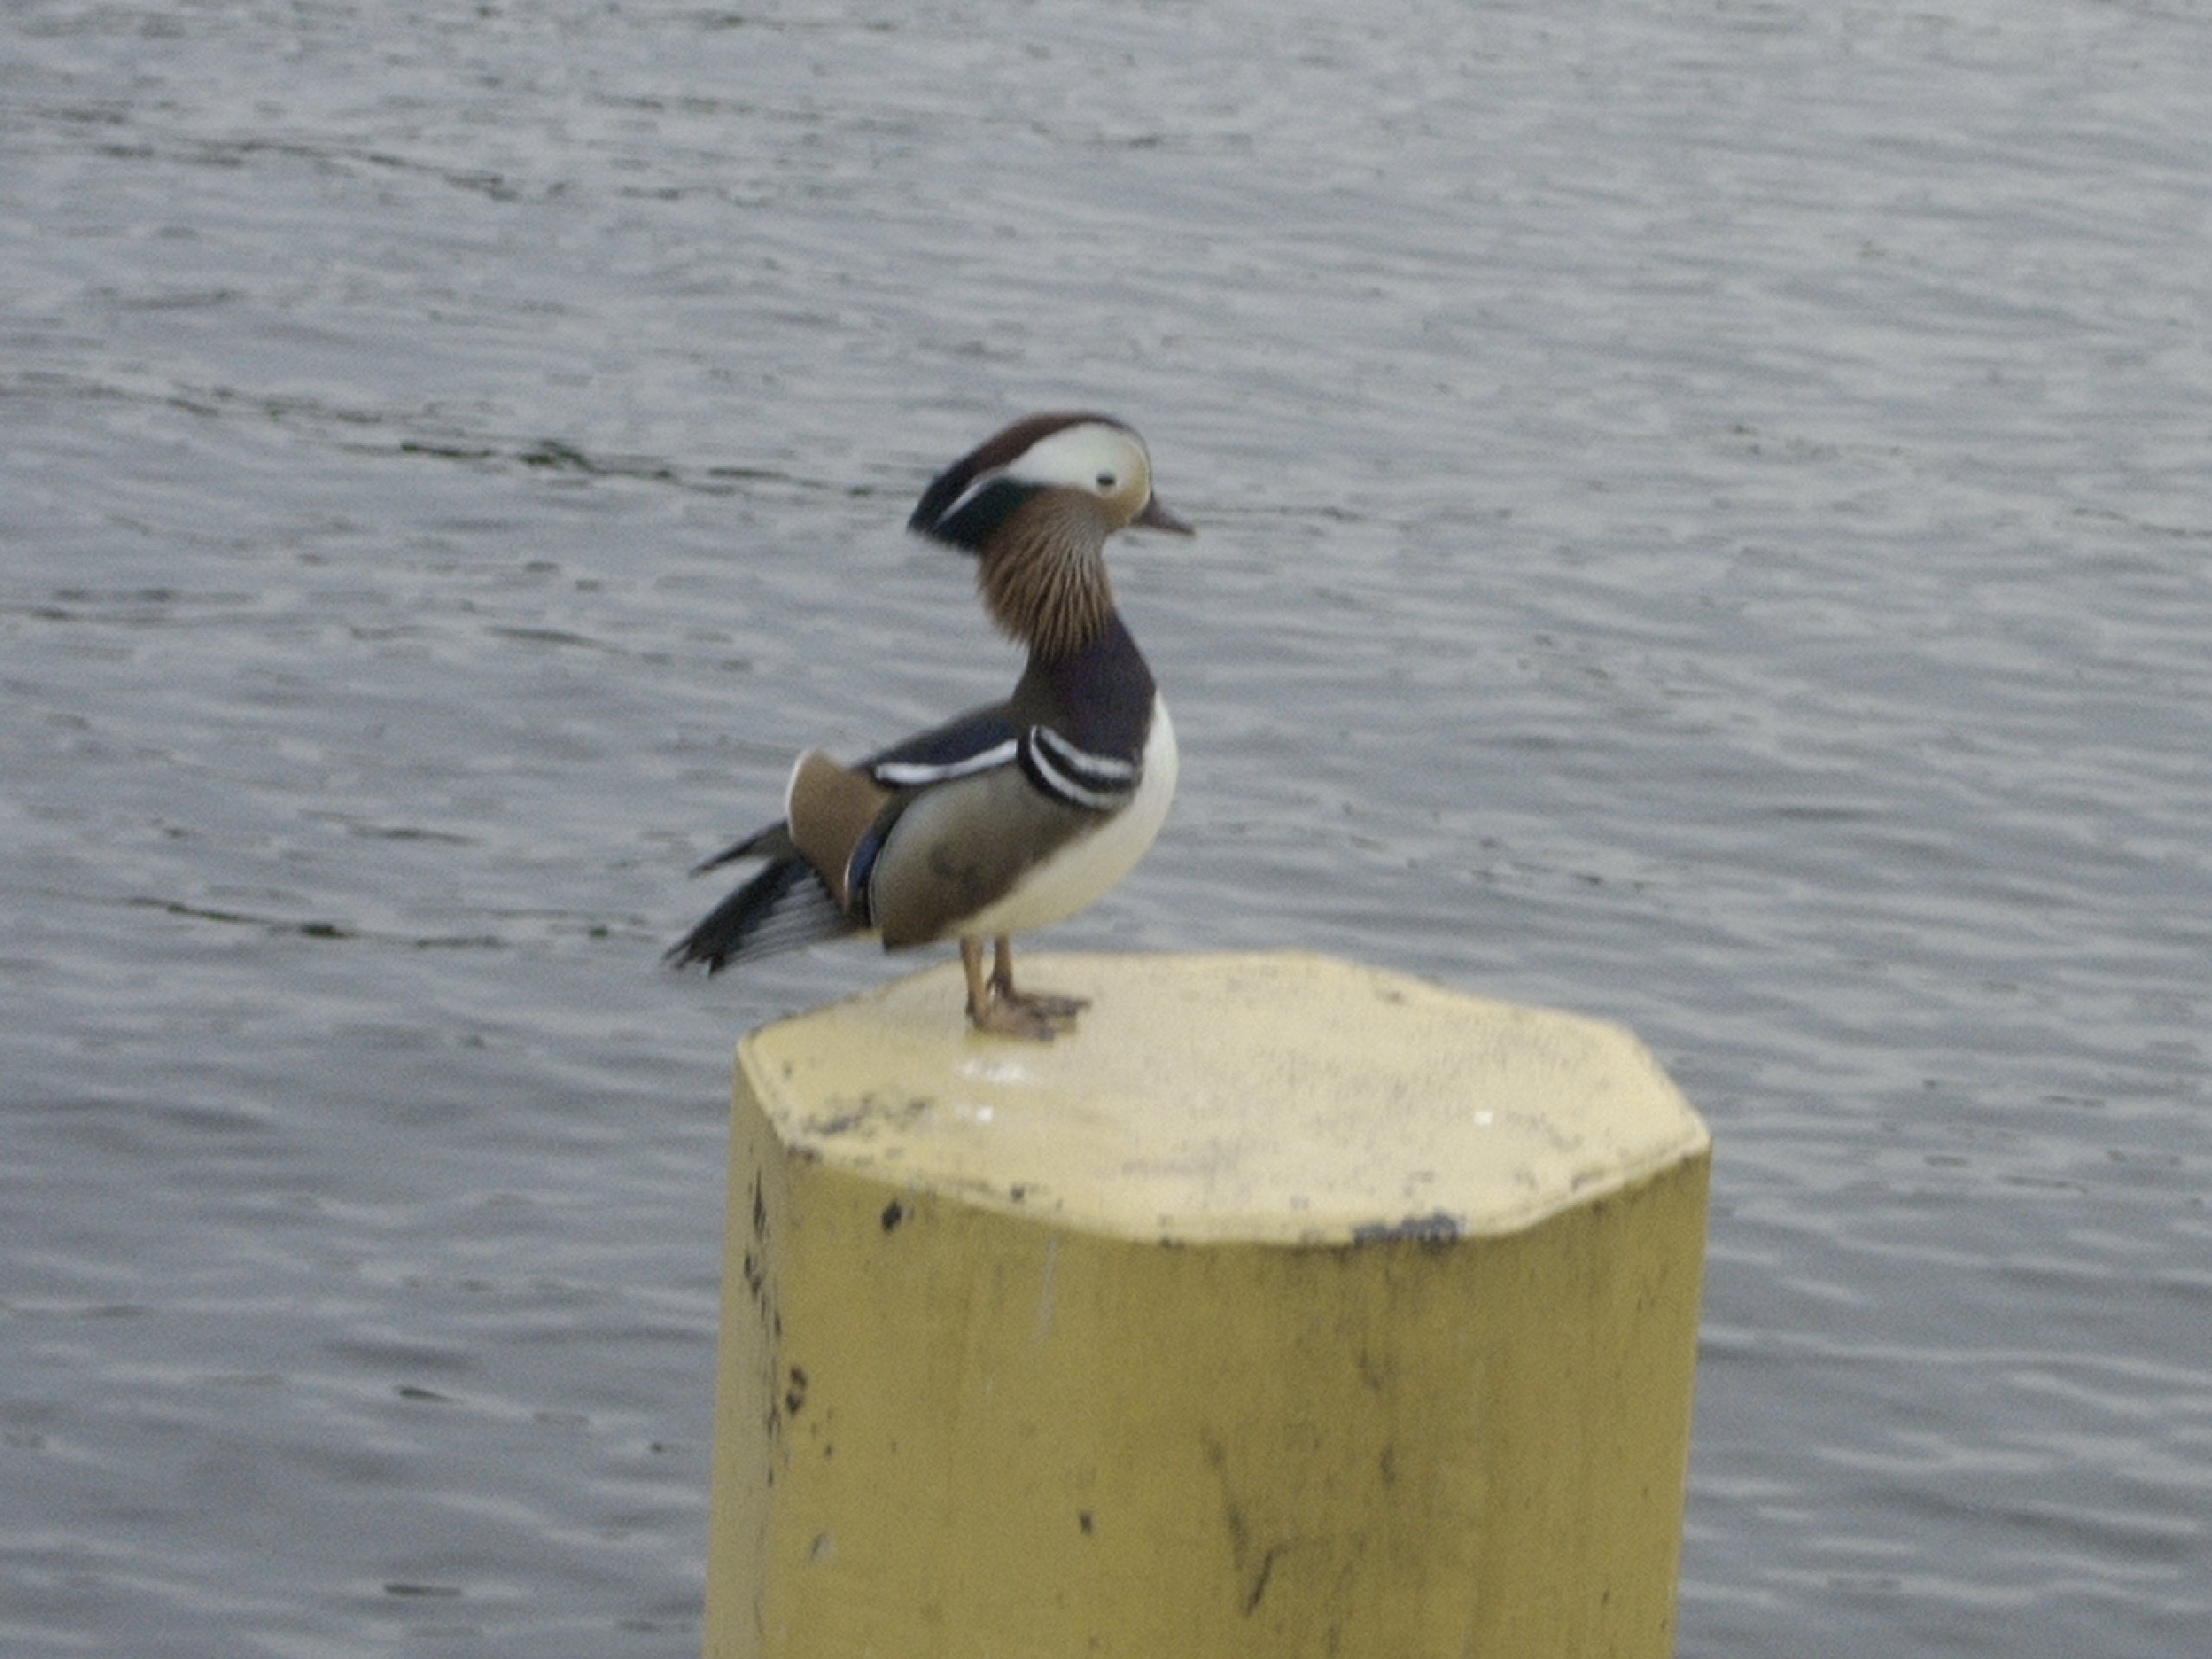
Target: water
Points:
x,y
1704,522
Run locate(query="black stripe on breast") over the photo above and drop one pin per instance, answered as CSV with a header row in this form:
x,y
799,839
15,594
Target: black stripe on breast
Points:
x,y
1098,699
1058,769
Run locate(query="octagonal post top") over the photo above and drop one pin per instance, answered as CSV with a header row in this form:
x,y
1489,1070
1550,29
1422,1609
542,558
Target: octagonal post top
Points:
x,y
1281,1097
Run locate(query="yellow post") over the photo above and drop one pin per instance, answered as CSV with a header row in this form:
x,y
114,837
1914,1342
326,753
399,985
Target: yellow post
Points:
x,y
1289,1307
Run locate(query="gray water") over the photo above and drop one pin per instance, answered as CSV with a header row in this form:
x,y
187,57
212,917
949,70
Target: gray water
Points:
x,y
1704,522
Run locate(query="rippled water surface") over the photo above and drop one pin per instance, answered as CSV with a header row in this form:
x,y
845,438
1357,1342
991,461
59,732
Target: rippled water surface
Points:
x,y
1704,521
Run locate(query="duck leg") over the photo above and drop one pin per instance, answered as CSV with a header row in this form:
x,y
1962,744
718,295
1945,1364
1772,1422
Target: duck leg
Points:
x,y
988,1011
1060,1010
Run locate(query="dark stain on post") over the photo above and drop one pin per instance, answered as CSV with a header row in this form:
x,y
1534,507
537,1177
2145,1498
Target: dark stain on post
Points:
x,y
1438,1227
1260,1584
1241,1544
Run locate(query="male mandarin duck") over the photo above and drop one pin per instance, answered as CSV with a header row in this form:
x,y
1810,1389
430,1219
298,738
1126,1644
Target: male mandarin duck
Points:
x,y
1010,817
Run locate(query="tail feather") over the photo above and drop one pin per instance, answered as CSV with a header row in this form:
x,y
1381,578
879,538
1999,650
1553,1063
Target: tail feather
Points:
x,y
774,841
782,907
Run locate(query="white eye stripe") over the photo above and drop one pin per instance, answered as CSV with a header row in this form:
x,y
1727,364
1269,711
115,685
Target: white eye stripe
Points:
x,y
1091,456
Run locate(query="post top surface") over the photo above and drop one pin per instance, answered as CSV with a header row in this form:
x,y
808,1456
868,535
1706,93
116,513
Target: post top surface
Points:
x,y
1278,1097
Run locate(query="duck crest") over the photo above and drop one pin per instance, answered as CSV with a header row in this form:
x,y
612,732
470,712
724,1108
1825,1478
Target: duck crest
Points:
x,y
943,515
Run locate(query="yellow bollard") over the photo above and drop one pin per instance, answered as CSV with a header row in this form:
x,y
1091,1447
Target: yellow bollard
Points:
x,y
1288,1307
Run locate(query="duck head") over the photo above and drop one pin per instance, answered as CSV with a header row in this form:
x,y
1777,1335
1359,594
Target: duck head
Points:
x,y
1035,504
1096,468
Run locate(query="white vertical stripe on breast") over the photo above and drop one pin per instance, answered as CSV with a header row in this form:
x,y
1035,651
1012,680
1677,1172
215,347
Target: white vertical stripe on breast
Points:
x,y
1088,867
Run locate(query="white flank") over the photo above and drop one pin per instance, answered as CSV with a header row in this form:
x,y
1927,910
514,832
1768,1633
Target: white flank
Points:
x,y
1088,867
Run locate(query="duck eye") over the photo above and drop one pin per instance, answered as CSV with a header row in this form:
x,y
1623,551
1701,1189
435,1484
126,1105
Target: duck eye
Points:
x,y
1105,480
